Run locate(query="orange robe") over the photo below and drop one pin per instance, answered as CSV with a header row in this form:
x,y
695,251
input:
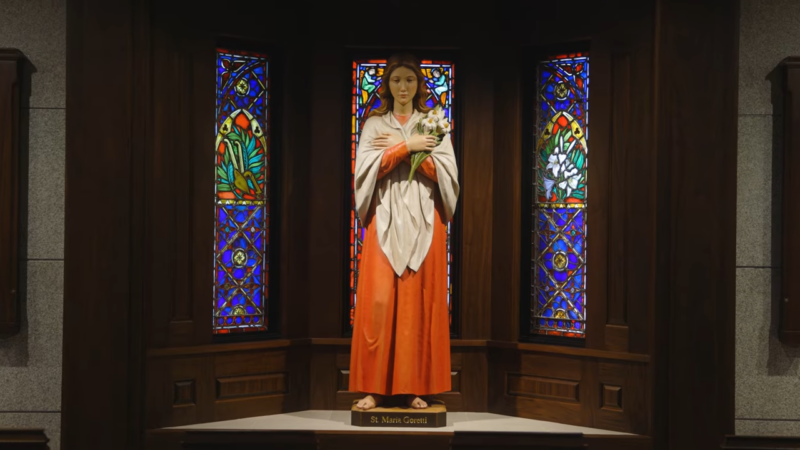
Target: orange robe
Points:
x,y
401,332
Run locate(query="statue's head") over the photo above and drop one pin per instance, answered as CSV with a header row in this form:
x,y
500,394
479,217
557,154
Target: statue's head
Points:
x,y
402,81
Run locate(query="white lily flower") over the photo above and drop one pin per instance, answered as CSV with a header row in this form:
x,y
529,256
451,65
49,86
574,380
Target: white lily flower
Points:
x,y
563,184
553,160
556,167
432,115
429,123
573,181
444,127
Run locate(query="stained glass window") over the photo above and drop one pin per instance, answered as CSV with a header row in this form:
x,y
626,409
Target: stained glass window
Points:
x,y
439,78
242,173
558,241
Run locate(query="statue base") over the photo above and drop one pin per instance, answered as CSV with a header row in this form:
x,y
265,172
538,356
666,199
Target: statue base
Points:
x,y
434,416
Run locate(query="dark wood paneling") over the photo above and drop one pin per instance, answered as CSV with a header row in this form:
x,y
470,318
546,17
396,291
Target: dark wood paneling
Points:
x,y
98,226
212,386
325,368
612,397
184,393
619,180
475,87
790,276
506,200
617,185
519,385
634,41
252,385
11,79
696,123
570,389
180,391
600,156
296,188
23,439
326,165
760,442
569,351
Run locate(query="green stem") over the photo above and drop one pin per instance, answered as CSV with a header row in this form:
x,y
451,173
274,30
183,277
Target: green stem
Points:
x,y
416,161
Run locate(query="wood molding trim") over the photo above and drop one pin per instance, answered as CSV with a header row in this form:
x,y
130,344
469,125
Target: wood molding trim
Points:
x,y
11,77
345,342
23,439
790,295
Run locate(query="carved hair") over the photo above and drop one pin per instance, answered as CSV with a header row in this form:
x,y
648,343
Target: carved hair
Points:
x,y
387,101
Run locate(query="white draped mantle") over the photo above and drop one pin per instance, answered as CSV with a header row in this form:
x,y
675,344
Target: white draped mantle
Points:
x,y
405,211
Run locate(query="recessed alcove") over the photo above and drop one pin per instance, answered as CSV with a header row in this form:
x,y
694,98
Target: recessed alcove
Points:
x,y
656,336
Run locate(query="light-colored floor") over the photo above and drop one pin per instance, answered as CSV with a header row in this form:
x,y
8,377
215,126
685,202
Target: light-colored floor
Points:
x,y
340,421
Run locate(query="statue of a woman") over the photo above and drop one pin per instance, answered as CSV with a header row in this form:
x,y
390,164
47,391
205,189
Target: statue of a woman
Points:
x,y
401,334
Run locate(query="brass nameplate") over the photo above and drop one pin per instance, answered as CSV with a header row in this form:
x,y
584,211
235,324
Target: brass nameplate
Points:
x,y
434,416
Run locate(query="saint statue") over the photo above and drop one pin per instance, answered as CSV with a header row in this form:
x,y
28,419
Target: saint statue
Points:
x,y
401,332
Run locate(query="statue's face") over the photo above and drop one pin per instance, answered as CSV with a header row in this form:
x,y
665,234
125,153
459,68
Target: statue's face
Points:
x,y
403,85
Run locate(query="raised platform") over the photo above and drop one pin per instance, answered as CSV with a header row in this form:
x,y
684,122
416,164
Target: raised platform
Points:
x,y
340,421
327,430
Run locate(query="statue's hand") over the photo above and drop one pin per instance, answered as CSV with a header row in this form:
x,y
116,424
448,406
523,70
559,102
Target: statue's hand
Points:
x,y
421,143
386,140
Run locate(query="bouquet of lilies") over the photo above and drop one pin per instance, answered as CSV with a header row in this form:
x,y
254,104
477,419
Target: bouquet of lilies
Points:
x,y
434,124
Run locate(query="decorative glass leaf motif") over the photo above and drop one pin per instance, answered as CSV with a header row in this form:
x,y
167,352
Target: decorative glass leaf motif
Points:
x,y
240,166
562,165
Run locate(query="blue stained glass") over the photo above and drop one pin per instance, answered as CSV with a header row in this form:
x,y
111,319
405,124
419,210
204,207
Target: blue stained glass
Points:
x,y
560,183
241,247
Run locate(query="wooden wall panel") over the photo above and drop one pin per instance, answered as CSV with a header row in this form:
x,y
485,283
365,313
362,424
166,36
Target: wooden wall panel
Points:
x,y
475,89
789,332
639,196
327,166
98,229
219,384
507,198
578,390
696,133
12,97
23,439
620,209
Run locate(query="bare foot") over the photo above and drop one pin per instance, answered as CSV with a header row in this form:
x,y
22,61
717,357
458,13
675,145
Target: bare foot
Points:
x,y
416,402
369,402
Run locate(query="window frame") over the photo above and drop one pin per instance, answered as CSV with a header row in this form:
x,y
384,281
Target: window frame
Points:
x,y
531,58
274,124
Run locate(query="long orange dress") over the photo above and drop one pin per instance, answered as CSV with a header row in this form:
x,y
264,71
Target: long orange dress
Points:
x,y
401,332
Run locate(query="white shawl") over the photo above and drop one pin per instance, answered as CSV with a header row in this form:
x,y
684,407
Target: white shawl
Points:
x,y
405,211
